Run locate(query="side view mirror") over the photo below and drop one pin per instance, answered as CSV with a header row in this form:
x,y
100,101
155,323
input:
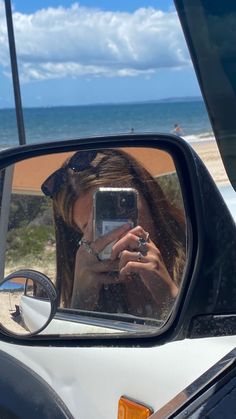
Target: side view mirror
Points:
x,y
27,302
129,228
120,202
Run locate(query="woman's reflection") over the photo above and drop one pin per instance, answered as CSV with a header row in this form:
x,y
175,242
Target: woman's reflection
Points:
x,y
143,275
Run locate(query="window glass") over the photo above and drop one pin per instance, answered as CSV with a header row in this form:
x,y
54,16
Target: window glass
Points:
x,y
107,226
99,67
93,68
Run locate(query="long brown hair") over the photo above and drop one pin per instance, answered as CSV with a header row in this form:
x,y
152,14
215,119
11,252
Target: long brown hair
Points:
x,y
109,168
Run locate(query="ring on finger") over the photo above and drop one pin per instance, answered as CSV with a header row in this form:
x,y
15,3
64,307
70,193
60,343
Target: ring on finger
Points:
x,y
142,245
147,238
140,256
88,248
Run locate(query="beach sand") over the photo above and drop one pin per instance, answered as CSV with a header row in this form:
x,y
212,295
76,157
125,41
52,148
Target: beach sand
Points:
x,y
209,154
8,301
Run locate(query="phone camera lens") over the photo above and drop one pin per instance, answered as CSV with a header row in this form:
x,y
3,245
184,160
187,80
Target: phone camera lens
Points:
x,y
126,201
123,201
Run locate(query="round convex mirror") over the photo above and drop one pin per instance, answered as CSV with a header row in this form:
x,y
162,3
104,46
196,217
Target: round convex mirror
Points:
x,y
27,302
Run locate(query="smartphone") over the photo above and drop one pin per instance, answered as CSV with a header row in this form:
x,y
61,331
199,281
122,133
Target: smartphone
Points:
x,y
112,208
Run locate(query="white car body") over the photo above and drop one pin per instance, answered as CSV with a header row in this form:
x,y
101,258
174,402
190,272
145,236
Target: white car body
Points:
x,y
35,312
229,196
91,380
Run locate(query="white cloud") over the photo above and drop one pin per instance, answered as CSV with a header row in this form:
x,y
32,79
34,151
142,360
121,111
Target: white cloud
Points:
x,y
71,42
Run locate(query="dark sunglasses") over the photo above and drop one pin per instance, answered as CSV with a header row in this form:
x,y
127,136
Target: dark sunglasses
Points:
x,y
78,163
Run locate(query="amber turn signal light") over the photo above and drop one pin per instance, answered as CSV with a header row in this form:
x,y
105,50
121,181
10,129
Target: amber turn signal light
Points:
x,y
128,409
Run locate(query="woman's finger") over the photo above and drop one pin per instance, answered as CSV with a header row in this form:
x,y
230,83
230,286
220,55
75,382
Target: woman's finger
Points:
x,y
140,232
127,256
91,261
103,241
130,241
135,267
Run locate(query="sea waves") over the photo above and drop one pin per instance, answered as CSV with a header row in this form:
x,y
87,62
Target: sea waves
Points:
x,y
199,138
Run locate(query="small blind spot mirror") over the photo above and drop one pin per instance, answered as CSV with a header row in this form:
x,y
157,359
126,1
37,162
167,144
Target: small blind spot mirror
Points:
x,y
27,302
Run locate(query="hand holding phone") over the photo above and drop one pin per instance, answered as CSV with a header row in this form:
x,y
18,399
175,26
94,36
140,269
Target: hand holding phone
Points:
x,y
112,208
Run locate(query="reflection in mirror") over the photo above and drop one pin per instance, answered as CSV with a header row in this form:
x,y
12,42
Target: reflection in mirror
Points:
x,y
113,254
26,302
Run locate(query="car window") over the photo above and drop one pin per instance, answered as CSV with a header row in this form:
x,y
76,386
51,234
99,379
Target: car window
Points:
x,y
85,70
131,73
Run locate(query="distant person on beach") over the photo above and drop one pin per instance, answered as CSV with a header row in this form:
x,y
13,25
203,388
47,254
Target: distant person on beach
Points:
x,y
177,130
143,275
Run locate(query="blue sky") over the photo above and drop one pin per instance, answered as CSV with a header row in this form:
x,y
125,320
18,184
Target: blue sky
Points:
x,y
103,51
25,6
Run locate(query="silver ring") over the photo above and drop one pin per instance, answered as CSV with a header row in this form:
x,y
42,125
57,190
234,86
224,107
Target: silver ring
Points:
x,y
88,248
140,256
142,245
147,238
141,242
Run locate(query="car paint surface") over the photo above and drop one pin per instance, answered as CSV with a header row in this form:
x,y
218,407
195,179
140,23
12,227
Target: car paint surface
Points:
x,y
91,380
229,196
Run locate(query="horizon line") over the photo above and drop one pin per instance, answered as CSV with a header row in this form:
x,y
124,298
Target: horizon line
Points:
x,y
135,102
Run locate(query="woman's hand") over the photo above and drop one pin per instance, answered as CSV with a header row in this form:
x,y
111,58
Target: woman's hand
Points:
x,y
90,272
138,255
132,254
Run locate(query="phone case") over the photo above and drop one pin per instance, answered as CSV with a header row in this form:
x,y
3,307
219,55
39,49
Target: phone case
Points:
x,y
113,207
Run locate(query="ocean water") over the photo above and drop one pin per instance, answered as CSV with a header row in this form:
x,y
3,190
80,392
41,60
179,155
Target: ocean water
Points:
x,y
59,123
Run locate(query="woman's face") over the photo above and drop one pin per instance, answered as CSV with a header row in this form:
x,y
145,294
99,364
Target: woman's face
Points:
x,y
82,213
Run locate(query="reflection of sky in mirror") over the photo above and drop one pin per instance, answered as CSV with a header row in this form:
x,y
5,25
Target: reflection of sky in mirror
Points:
x,y
10,285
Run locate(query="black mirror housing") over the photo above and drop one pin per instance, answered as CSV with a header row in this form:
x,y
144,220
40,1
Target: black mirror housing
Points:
x,y
207,301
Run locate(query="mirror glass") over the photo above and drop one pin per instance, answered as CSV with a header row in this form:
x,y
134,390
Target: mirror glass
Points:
x,y
26,303
108,227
